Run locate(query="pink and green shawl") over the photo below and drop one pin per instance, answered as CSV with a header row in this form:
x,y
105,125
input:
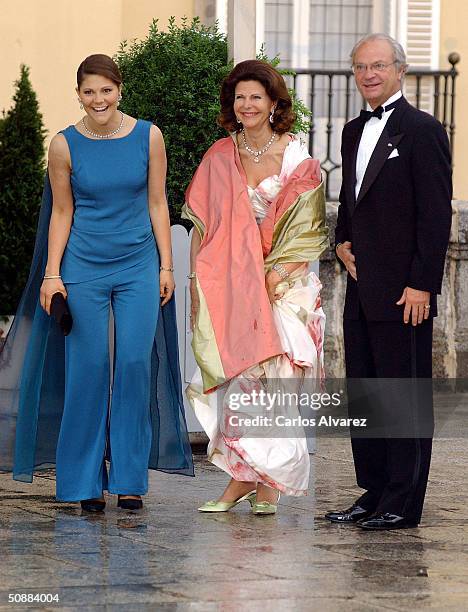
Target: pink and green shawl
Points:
x,y
235,328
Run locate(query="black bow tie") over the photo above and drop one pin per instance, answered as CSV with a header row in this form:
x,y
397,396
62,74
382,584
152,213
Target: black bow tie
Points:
x,y
377,112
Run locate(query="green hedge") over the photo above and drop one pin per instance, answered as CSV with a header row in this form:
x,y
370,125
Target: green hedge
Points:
x,y
172,78
21,178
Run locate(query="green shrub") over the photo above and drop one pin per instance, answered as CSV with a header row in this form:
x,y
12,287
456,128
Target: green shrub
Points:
x,y
173,78
21,179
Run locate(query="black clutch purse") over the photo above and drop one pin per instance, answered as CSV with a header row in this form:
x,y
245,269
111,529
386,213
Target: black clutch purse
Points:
x,y
61,313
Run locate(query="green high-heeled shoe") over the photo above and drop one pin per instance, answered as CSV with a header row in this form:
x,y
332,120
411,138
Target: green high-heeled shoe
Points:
x,y
265,507
219,506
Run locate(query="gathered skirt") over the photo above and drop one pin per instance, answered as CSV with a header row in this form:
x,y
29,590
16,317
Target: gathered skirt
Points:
x,y
252,420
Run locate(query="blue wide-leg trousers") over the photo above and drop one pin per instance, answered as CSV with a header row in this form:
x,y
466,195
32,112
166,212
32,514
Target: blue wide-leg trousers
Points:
x,y
91,420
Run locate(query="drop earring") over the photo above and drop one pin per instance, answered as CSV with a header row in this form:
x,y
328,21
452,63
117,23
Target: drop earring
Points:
x,y
238,120
272,114
118,101
80,103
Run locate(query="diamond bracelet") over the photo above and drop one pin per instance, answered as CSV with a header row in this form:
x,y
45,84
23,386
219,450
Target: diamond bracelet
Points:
x,y
281,270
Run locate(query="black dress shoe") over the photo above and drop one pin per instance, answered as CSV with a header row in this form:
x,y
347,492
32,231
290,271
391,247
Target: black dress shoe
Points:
x,y
93,505
351,515
130,504
386,520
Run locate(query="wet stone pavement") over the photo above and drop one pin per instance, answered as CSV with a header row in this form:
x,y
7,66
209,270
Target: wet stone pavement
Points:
x,y
170,557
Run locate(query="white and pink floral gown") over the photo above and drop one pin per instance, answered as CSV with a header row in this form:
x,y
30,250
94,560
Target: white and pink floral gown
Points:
x,y
276,456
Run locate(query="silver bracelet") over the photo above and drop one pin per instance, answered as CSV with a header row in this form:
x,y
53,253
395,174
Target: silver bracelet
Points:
x,y
191,275
50,276
161,269
281,270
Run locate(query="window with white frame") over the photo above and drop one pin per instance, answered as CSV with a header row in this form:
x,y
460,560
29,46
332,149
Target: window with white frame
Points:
x,y
334,27
319,34
279,29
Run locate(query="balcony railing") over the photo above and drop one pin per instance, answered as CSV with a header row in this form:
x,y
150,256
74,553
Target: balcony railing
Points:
x,y
333,100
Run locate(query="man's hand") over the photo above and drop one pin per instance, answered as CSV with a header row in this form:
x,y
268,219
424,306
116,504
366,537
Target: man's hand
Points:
x,y
416,305
345,254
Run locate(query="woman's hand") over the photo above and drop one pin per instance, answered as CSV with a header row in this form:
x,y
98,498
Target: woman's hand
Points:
x,y
48,288
272,280
166,286
194,302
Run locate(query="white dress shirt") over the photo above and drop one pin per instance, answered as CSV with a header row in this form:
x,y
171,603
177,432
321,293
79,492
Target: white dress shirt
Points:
x,y
370,135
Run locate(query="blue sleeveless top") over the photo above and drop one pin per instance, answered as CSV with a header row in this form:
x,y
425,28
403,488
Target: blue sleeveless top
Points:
x,y
111,228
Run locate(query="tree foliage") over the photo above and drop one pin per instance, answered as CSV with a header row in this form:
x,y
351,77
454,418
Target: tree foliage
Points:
x,y
21,178
173,78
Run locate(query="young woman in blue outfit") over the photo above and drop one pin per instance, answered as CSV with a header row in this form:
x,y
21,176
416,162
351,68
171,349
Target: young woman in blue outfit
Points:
x,y
107,174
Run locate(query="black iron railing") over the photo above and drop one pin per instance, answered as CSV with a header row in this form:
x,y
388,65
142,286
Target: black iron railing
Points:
x,y
333,100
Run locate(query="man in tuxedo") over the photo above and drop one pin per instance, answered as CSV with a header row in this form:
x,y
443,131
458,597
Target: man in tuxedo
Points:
x,y
391,236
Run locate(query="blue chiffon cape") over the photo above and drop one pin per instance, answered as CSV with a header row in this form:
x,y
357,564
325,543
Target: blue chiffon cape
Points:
x,y
32,375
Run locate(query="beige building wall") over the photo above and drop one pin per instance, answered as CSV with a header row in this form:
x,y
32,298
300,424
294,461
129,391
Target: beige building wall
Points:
x,y
453,37
53,36
138,14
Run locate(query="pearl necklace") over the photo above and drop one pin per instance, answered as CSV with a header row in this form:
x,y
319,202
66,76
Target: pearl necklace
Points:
x,y
104,135
256,154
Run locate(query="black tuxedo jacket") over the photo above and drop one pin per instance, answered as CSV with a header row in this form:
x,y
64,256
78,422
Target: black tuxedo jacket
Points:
x,y
400,224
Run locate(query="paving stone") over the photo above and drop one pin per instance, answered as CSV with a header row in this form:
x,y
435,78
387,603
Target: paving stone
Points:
x,y
170,558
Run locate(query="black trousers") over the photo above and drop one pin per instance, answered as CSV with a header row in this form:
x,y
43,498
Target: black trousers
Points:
x,y
393,470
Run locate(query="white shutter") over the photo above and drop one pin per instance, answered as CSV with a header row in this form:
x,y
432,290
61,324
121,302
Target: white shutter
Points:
x,y
422,47
422,33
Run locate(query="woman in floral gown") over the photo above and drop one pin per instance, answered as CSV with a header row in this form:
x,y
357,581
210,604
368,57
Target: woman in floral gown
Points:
x,y
258,207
